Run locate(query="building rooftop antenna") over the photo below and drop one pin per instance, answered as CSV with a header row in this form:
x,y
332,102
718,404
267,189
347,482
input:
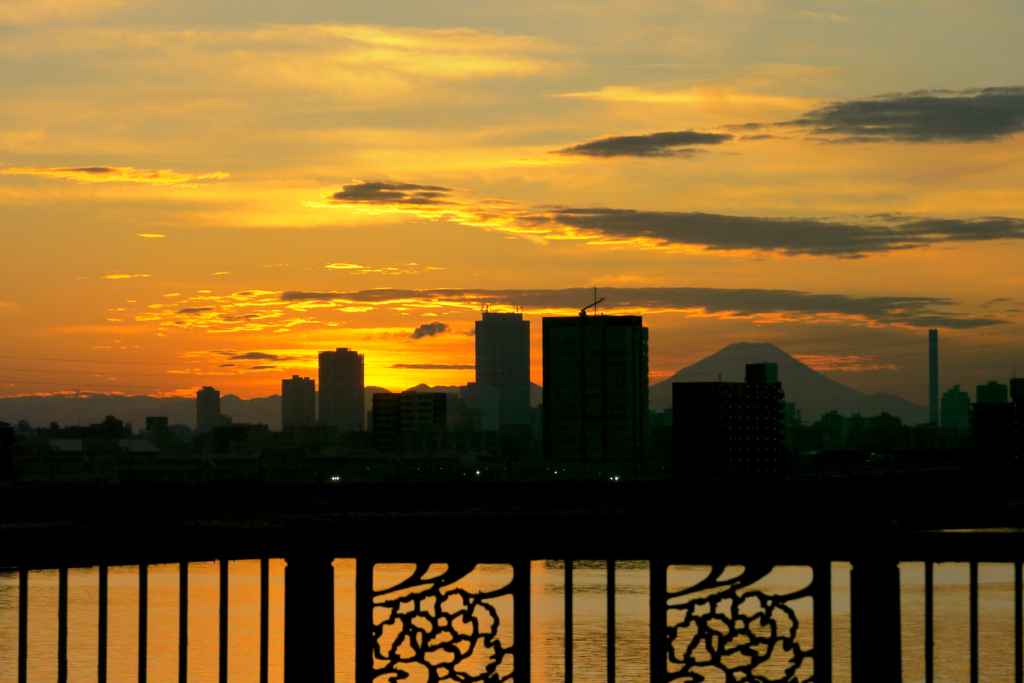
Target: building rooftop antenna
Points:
x,y
583,311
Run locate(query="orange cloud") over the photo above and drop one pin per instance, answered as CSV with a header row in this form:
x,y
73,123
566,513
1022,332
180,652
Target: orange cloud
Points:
x,y
116,174
844,363
124,276
405,269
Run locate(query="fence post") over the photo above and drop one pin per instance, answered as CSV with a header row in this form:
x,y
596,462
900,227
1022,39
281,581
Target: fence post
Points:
x,y
875,620
309,619
822,588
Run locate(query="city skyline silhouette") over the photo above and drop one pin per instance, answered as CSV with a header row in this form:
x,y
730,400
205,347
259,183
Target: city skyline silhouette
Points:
x,y
501,290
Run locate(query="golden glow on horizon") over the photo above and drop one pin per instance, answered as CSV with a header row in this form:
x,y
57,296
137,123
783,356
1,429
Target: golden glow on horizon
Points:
x,y
201,166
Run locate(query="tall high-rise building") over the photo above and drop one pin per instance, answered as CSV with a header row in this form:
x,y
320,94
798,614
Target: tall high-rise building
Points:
x,y
933,376
298,402
503,362
729,431
341,390
956,409
595,391
207,410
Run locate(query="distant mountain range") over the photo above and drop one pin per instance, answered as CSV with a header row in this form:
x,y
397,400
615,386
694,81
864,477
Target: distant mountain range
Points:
x,y
813,393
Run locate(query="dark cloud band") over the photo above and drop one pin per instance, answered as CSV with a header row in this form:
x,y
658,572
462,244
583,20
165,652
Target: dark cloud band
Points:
x,y
922,116
921,312
787,236
256,355
669,144
386,192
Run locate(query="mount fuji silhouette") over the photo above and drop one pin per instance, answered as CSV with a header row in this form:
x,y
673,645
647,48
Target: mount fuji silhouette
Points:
x,y
814,393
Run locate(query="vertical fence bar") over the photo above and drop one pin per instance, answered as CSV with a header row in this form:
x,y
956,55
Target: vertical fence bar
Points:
x,y
521,615
611,620
182,622
568,621
62,625
1018,624
364,620
264,619
309,620
974,622
101,626
929,622
658,589
23,625
875,637
822,593
143,619
223,653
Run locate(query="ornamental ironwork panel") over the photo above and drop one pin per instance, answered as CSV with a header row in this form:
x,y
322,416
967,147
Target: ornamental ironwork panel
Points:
x,y
737,623
460,622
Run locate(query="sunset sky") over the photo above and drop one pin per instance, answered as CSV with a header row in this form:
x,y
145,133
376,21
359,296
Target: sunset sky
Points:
x,y
208,193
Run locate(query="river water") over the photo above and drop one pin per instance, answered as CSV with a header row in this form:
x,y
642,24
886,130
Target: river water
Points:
x,y
547,640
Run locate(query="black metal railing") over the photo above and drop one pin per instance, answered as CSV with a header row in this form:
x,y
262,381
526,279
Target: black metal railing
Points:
x,y
407,614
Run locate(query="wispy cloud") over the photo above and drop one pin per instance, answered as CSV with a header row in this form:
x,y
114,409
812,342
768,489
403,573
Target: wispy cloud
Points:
x,y
719,99
669,144
850,237
823,17
430,366
258,355
124,276
762,304
355,65
115,174
25,12
843,363
148,234
404,269
974,115
784,236
389,192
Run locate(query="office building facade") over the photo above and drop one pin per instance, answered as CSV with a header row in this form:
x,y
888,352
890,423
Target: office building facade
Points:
x,y
729,431
595,392
399,418
298,402
997,425
341,390
208,413
956,409
503,362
